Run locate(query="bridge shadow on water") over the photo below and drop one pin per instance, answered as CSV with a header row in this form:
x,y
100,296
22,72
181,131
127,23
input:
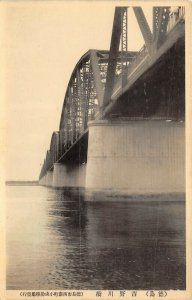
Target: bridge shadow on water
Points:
x,y
126,243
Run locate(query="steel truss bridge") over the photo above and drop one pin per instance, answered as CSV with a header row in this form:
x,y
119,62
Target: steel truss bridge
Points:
x,y
119,83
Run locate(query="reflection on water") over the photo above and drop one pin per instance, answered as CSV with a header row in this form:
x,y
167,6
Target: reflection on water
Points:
x,y
59,241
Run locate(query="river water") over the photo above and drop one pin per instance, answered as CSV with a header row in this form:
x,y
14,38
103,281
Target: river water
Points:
x,y
56,240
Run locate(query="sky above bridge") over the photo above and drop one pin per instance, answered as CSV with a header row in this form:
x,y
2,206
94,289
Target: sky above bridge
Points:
x,y
42,42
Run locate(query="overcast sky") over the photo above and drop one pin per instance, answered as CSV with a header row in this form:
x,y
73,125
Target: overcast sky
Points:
x,y
44,40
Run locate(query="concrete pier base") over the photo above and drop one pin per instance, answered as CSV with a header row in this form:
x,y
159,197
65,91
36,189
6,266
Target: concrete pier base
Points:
x,y
49,178
136,157
69,176
42,181
58,175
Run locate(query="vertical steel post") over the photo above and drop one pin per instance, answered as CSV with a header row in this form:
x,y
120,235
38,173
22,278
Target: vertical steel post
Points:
x,y
124,61
113,54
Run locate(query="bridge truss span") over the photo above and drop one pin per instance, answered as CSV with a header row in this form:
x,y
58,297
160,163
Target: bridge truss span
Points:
x,y
116,82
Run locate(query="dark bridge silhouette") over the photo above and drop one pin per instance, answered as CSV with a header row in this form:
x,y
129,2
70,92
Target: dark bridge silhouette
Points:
x,y
123,85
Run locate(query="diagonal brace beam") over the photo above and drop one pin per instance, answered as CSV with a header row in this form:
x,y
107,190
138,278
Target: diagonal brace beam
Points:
x,y
144,27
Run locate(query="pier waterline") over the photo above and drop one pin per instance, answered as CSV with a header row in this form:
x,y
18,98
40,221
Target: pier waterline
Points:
x,y
133,157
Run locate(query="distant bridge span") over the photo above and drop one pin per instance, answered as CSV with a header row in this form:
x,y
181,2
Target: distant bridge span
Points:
x,y
123,85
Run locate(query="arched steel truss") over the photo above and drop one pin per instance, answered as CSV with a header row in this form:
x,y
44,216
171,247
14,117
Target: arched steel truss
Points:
x,y
94,76
84,96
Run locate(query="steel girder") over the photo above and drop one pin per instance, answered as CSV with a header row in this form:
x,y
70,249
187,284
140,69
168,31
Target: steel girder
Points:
x,y
119,32
114,49
160,21
95,75
81,101
54,147
46,165
84,96
153,40
124,61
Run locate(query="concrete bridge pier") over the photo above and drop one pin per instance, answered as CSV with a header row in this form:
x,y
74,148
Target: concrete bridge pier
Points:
x,y
136,157
68,175
58,175
42,181
49,178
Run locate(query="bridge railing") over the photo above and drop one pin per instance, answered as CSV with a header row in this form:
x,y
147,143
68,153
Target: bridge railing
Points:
x,y
175,16
137,59
142,53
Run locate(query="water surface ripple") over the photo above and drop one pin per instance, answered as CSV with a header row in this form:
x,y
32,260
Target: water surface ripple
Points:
x,y
56,240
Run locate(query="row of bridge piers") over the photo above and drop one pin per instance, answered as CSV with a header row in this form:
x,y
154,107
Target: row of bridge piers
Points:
x,y
132,157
